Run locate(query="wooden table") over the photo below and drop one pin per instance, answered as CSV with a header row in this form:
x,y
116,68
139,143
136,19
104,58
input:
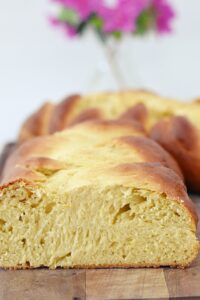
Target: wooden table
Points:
x,y
44,284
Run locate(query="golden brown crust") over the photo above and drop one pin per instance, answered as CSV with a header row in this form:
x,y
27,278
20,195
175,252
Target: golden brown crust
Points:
x,y
105,125
37,150
142,106
6,152
36,124
33,168
23,181
178,136
61,115
138,113
51,118
182,265
152,152
89,114
38,163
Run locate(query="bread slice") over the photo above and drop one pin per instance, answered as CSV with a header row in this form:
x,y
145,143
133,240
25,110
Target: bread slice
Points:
x,y
75,199
134,215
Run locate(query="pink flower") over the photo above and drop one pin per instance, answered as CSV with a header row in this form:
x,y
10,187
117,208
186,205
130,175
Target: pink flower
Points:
x,y
68,29
123,16
83,7
164,15
54,21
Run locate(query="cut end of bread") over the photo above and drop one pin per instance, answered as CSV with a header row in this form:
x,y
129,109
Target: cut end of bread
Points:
x,y
94,196
90,225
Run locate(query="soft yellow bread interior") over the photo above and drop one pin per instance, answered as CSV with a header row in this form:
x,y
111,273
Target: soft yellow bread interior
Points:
x,y
75,220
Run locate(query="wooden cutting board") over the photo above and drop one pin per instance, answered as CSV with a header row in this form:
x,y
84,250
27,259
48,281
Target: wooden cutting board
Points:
x,y
44,284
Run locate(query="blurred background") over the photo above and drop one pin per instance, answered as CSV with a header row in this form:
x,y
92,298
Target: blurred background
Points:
x,y
38,63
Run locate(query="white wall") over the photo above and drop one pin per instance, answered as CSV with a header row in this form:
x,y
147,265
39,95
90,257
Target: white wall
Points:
x,y
39,63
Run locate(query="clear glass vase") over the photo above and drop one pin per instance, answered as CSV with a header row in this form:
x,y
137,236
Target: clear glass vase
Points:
x,y
117,69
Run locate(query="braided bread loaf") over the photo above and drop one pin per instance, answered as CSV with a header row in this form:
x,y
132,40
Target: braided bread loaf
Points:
x,y
99,194
180,120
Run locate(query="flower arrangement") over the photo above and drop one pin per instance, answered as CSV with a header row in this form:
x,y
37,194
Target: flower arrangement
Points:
x,y
113,19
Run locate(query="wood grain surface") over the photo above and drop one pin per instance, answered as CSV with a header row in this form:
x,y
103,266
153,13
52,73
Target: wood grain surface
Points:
x,y
44,284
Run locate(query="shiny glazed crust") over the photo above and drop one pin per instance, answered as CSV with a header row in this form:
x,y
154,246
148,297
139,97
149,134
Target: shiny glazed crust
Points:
x,y
145,107
180,138
37,124
125,134
138,105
